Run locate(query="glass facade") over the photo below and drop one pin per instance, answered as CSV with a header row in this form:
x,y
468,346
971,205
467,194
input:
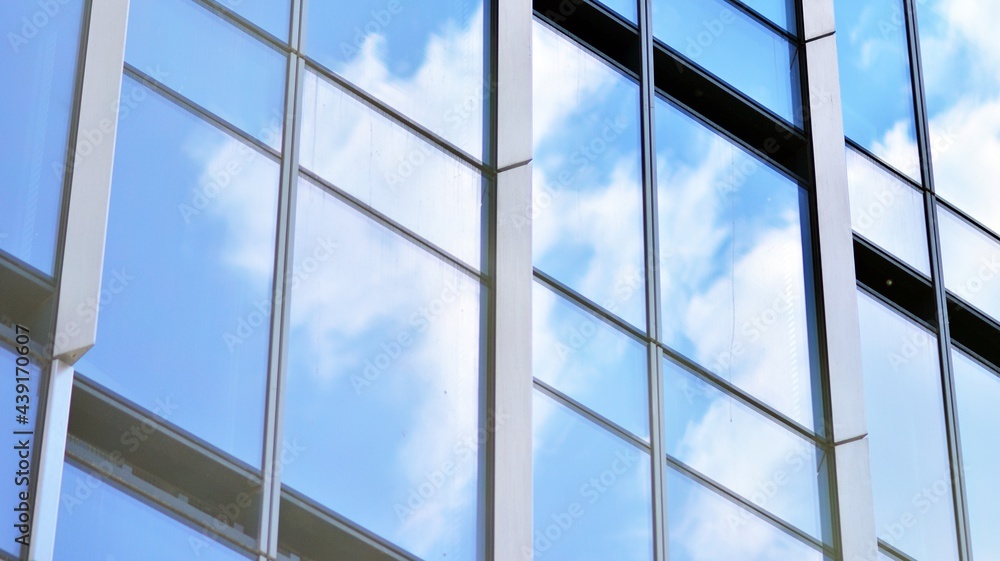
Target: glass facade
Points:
x,y
485,280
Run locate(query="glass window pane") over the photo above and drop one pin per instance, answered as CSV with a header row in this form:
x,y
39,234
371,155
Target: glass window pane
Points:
x,y
978,391
590,361
911,477
271,15
781,12
403,53
971,262
960,57
592,491
39,69
742,450
736,48
99,522
211,62
384,381
875,81
587,211
732,262
704,526
357,149
186,296
18,369
625,8
887,211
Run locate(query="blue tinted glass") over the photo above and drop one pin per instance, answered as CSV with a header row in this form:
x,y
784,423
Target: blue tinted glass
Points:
x,y
911,476
211,62
625,8
781,12
732,261
404,52
960,57
887,211
875,81
592,494
590,361
99,522
742,450
704,526
739,50
384,381
271,15
978,391
357,149
971,262
24,401
587,210
186,291
39,68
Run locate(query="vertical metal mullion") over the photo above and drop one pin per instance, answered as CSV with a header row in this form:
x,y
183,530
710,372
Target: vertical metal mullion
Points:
x,y
652,278
277,371
940,292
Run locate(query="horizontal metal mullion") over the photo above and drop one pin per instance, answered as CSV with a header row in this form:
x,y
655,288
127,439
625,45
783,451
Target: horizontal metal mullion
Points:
x,y
396,227
732,496
994,236
895,173
201,112
745,398
245,25
893,552
592,416
594,30
590,306
398,118
766,22
930,327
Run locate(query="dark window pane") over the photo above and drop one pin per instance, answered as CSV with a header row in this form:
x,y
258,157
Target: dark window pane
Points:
x,y
211,62
733,285
99,522
587,210
39,68
186,293
590,361
424,59
736,48
875,81
592,490
911,477
705,526
384,381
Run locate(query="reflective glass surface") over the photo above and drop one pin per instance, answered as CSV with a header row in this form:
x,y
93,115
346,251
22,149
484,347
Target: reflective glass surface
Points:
x,y
186,293
780,12
213,63
592,493
39,69
887,211
704,526
357,149
978,391
587,208
742,450
971,262
732,273
875,83
590,361
404,52
271,15
960,55
911,478
384,381
99,522
30,399
628,9
736,48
